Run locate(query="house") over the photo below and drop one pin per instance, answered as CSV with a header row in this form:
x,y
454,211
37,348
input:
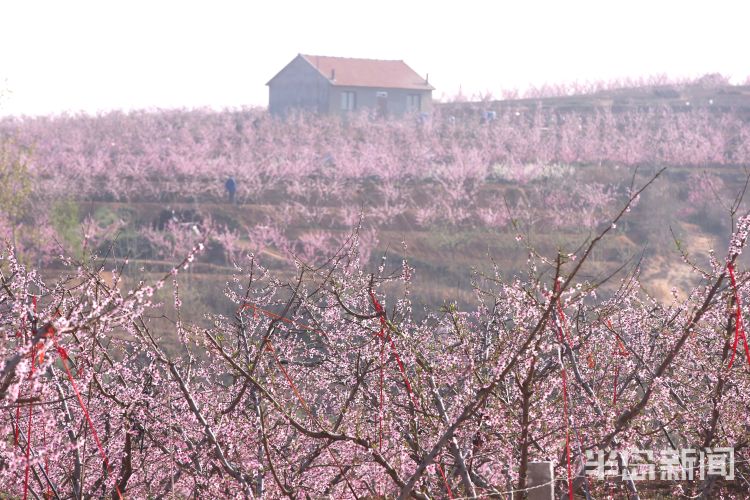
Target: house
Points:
x,y
339,85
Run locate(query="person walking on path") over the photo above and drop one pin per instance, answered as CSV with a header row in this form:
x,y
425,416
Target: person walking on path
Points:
x,y
231,187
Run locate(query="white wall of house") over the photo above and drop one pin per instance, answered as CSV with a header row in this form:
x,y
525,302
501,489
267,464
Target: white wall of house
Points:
x,y
298,86
397,100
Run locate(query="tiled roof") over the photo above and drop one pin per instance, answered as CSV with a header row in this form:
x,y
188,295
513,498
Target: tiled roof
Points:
x,y
349,72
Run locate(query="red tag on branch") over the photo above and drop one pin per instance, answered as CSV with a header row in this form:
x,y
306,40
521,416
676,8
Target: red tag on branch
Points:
x,y
273,315
739,329
618,350
562,333
562,327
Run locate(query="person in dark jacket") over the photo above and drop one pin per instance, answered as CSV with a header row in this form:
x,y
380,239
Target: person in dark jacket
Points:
x,y
231,187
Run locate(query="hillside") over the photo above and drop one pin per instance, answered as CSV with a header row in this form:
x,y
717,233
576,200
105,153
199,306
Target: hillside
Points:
x,y
718,98
457,192
372,282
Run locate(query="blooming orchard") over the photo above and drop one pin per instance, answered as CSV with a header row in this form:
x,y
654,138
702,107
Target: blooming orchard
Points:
x,y
322,173
329,383
326,385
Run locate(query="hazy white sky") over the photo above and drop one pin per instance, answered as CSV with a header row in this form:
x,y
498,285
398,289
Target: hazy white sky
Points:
x,y
94,56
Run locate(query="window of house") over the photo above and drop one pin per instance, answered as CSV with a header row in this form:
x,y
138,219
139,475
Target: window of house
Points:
x,y
348,101
414,102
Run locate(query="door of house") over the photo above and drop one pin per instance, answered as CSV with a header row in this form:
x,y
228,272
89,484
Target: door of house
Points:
x,y
382,103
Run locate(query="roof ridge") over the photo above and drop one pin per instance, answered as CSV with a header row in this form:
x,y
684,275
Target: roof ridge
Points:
x,y
364,72
352,58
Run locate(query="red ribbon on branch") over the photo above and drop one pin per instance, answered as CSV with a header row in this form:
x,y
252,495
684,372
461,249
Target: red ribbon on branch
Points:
x,y
31,408
561,335
445,480
269,348
384,334
739,328
28,435
383,329
619,350
17,426
381,334
50,333
279,317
